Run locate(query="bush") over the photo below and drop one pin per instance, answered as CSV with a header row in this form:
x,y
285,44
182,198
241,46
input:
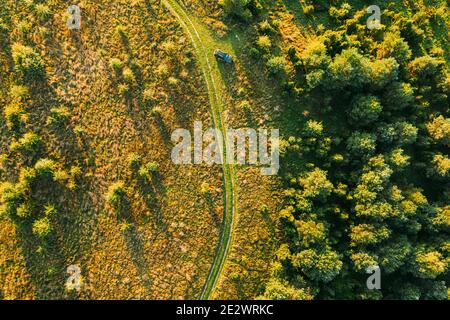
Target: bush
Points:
x,y
24,211
58,116
264,43
340,13
128,75
10,198
276,65
28,143
116,193
27,61
266,28
147,170
24,28
115,64
313,128
43,12
14,115
237,8
45,168
133,160
254,53
308,9
19,93
124,89
42,227
121,31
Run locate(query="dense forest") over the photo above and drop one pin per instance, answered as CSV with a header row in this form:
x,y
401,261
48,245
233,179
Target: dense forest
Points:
x,y
367,171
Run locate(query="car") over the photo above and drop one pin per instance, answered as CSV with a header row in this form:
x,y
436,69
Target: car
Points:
x,y
223,56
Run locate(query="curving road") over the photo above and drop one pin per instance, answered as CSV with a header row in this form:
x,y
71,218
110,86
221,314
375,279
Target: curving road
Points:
x,y
213,81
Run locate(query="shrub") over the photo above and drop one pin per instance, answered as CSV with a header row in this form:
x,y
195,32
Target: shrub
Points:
x,y
24,210
128,75
266,28
43,12
19,93
237,8
58,116
340,13
27,61
204,187
14,115
116,64
45,168
308,9
10,198
147,170
276,65
133,160
152,166
28,143
149,95
264,43
172,81
42,227
3,29
121,31
50,210
116,193
313,128
254,53
124,89
24,27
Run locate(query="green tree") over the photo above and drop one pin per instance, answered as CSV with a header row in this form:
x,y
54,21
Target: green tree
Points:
x,y
315,184
398,96
27,61
362,144
365,109
394,46
439,129
42,227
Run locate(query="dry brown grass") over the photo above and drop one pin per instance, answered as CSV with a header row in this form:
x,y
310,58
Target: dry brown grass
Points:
x,y
162,245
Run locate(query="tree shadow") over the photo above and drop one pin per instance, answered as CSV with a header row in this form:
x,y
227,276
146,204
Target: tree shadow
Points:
x,y
212,211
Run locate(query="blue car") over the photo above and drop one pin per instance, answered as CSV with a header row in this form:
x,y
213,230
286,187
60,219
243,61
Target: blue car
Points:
x,y
222,56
